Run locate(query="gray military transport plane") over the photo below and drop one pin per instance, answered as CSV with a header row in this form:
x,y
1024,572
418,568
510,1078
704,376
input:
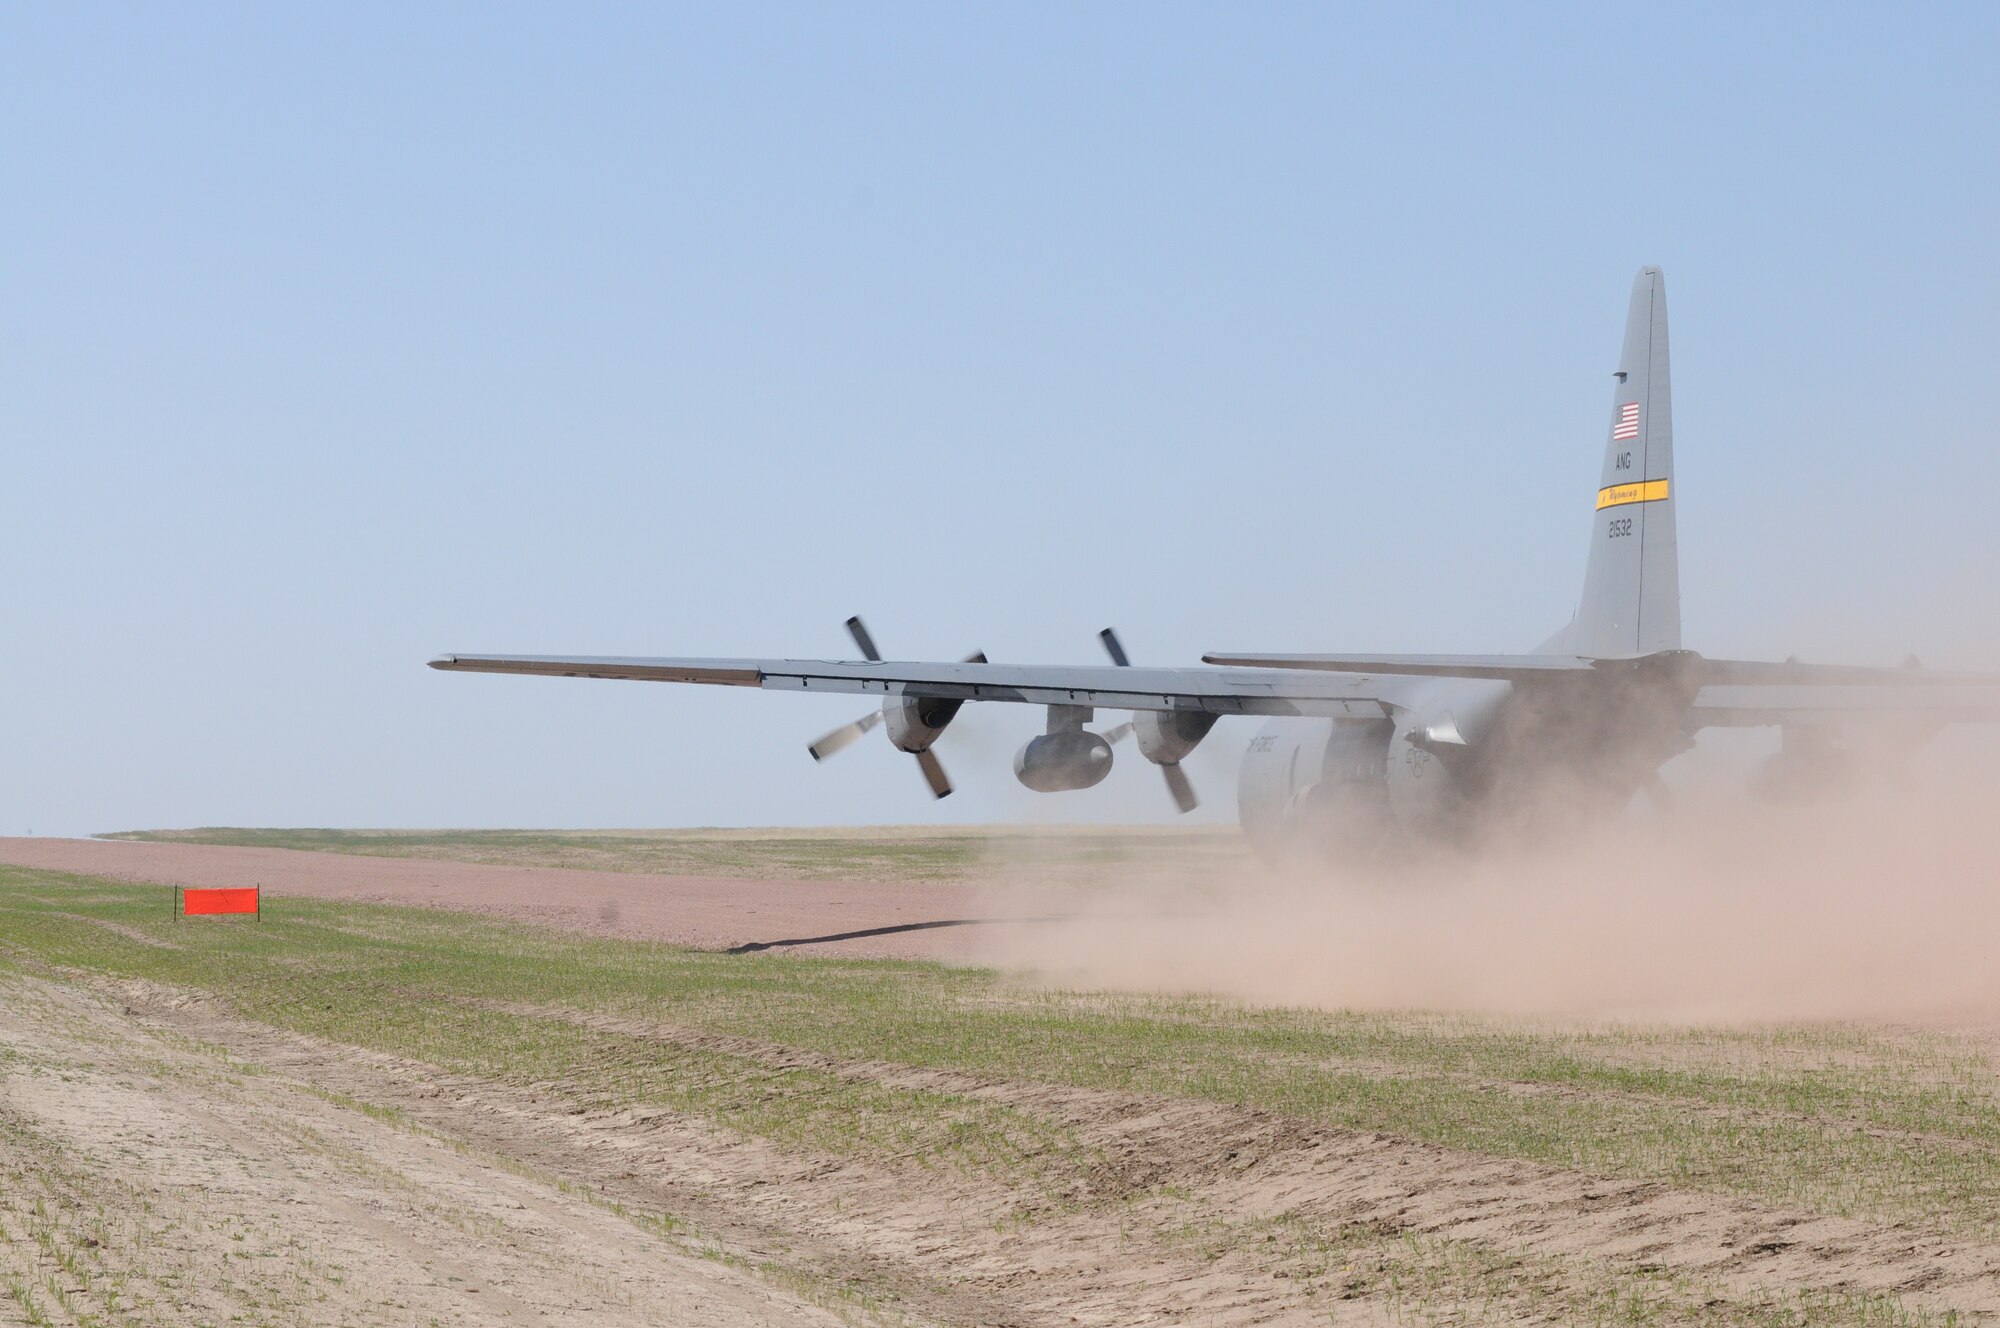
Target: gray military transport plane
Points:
x,y
1414,744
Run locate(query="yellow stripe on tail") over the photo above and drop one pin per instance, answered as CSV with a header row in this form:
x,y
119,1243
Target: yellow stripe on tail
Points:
x,y
1617,495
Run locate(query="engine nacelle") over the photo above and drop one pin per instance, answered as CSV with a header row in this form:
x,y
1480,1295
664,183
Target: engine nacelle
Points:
x,y
1059,762
1166,736
1813,762
915,722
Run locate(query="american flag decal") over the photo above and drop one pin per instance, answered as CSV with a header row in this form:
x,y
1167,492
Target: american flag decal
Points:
x,y
1628,422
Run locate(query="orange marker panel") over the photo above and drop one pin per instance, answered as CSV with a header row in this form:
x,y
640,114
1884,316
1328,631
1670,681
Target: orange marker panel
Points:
x,y
243,900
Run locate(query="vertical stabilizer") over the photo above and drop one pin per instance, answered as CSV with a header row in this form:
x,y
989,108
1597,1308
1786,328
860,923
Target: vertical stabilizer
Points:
x,y
1632,585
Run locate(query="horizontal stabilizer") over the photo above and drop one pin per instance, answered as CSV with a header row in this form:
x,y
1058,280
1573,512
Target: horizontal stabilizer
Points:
x,y
1683,664
1759,673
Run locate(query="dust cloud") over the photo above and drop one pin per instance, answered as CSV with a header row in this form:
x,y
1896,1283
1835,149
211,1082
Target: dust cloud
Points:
x,y
1881,903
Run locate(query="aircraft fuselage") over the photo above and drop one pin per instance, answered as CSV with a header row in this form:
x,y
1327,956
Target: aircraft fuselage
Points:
x,y
1466,755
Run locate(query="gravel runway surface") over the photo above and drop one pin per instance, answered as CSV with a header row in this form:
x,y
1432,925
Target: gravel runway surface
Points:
x,y
841,918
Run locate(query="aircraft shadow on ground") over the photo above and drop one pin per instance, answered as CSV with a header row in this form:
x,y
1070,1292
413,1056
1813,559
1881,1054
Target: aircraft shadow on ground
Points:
x,y
752,947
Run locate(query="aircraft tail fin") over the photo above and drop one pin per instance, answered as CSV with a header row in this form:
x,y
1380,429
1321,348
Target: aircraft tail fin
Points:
x,y
1631,587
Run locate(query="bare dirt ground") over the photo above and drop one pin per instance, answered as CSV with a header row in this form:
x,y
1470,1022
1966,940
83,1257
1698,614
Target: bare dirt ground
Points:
x,y
852,918
149,1178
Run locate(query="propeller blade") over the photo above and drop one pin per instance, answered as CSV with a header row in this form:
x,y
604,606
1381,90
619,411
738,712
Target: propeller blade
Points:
x,y
1177,780
934,773
859,632
844,735
1116,734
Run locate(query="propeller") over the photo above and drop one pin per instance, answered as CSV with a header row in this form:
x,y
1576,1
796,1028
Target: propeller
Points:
x,y
1178,786
846,734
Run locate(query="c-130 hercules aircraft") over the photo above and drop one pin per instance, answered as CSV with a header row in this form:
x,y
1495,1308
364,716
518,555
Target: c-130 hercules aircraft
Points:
x,y
1424,745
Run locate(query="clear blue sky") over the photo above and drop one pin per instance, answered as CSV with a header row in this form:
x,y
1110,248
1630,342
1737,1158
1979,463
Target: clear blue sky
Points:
x,y
334,337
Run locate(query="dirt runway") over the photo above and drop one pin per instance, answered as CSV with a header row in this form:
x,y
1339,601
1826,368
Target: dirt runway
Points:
x,y
850,918
637,1165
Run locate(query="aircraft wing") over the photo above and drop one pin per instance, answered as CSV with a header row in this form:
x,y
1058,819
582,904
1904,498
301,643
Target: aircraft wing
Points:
x,y
1220,691
1506,668
1741,693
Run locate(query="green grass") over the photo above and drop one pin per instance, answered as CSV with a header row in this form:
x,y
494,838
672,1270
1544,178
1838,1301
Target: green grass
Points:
x,y
907,854
1827,1119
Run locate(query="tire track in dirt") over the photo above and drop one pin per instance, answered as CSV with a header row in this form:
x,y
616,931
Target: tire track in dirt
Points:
x,y
1164,1159
191,1189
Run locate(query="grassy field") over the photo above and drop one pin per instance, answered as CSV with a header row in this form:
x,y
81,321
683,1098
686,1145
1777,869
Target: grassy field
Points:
x,y
940,853
1899,1127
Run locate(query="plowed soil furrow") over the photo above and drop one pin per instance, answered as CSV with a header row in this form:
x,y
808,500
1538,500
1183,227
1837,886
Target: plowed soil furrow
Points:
x,y
1282,1131
1262,1165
